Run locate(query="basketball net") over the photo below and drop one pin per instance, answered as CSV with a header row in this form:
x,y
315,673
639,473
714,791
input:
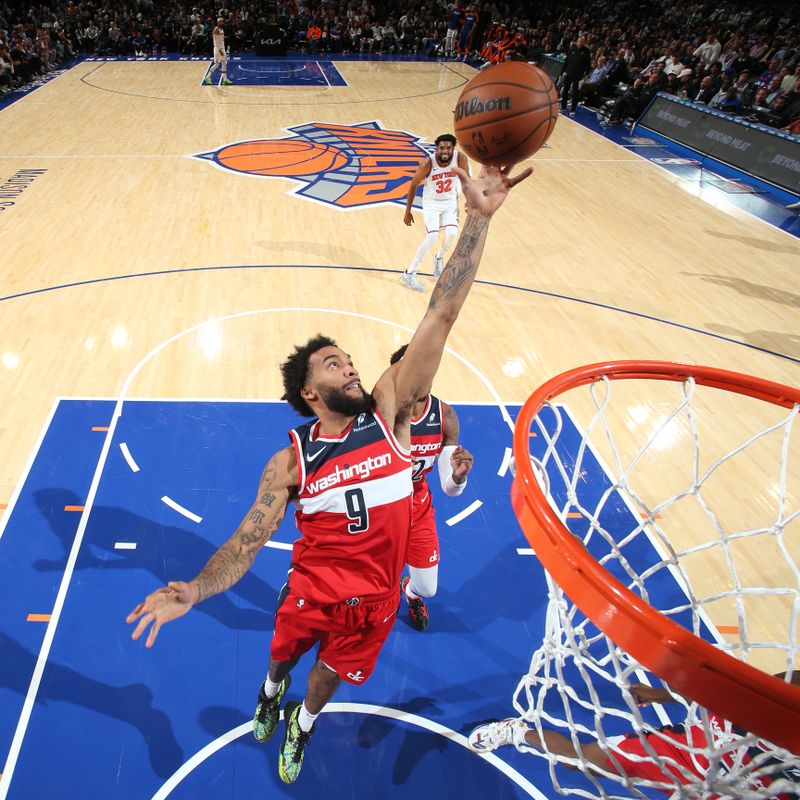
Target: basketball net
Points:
x,y
632,555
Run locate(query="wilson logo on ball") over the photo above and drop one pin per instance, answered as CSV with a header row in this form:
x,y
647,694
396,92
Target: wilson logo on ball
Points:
x,y
505,113
474,106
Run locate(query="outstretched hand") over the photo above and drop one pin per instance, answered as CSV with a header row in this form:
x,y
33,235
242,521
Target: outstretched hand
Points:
x,y
486,193
162,606
644,695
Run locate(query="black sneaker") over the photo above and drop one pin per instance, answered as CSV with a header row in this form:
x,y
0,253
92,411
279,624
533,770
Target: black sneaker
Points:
x,y
416,607
265,720
290,758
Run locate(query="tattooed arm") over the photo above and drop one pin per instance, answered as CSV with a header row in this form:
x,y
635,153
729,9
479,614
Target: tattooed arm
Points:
x,y
232,559
412,377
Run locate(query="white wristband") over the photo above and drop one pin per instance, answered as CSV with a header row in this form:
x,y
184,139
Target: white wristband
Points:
x,y
452,488
449,486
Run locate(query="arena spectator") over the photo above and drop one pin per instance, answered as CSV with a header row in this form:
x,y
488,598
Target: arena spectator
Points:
x,y
709,51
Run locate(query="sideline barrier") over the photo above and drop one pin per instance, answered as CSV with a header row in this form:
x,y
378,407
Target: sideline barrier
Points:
x,y
766,153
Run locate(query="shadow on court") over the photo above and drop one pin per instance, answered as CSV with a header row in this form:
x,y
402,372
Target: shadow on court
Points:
x,y
132,704
180,554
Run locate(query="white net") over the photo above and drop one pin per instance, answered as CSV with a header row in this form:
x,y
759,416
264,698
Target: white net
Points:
x,y
687,496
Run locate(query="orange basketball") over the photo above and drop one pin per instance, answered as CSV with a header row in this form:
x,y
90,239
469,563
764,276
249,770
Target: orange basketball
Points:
x,y
288,157
506,113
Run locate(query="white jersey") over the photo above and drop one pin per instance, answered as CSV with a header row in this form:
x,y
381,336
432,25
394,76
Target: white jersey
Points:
x,y
442,184
219,40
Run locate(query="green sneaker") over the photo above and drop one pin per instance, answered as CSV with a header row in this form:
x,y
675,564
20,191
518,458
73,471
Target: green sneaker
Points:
x,y
265,720
226,82
290,759
207,80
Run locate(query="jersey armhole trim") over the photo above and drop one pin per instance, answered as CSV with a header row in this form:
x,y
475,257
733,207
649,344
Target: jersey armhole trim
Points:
x,y
301,465
391,438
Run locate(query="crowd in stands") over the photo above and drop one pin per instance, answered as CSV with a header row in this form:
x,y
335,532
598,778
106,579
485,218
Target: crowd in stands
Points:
x,y
739,57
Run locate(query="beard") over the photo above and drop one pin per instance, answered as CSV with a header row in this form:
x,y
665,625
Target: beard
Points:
x,y
443,160
339,401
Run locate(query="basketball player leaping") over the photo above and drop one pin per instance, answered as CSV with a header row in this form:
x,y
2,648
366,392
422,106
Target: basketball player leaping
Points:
x,y
348,472
439,204
681,750
434,438
220,58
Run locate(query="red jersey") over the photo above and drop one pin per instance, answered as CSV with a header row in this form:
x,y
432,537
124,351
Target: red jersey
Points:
x,y
353,511
723,734
427,440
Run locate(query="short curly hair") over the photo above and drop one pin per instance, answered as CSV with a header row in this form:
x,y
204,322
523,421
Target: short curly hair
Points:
x,y
445,137
295,372
398,354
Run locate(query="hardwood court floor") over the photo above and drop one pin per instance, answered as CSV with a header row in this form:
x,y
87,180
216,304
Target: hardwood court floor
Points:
x,y
119,257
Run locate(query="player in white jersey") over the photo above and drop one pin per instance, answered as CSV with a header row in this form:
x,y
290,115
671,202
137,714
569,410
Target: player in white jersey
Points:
x,y
439,204
220,58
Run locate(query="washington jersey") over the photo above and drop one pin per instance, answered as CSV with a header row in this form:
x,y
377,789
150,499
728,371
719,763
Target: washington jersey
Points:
x,y
353,510
442,184
690,751
427,440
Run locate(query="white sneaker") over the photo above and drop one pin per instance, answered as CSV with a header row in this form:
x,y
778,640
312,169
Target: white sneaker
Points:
x,y
438,266
410,280
491,735
793,206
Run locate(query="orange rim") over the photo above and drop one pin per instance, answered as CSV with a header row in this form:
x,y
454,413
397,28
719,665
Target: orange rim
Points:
x,y
757,702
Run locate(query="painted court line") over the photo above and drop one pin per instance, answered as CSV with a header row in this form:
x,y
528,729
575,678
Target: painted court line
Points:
x,y
351,708
124,545
74,508
26,471
507,456
525,551
180,509
126,454
49,634
279,545
470,509
38,618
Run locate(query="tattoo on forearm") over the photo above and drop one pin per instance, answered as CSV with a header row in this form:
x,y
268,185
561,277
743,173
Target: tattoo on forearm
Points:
x,y
267,499
234,558
462,266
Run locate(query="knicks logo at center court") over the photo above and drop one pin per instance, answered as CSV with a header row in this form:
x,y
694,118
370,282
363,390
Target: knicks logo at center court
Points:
x,y
346,166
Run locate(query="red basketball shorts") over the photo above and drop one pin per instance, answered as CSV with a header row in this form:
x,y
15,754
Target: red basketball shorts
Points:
x,y
423,544
350,634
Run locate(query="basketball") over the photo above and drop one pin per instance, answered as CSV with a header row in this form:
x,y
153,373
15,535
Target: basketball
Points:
x,y
288,157
506,113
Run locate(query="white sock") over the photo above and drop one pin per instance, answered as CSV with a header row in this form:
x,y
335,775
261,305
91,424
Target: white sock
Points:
x,y
305,719
519,734
269,688
410,593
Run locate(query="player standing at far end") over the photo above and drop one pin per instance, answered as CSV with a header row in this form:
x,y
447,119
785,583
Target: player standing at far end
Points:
x,y
439,205
220,58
